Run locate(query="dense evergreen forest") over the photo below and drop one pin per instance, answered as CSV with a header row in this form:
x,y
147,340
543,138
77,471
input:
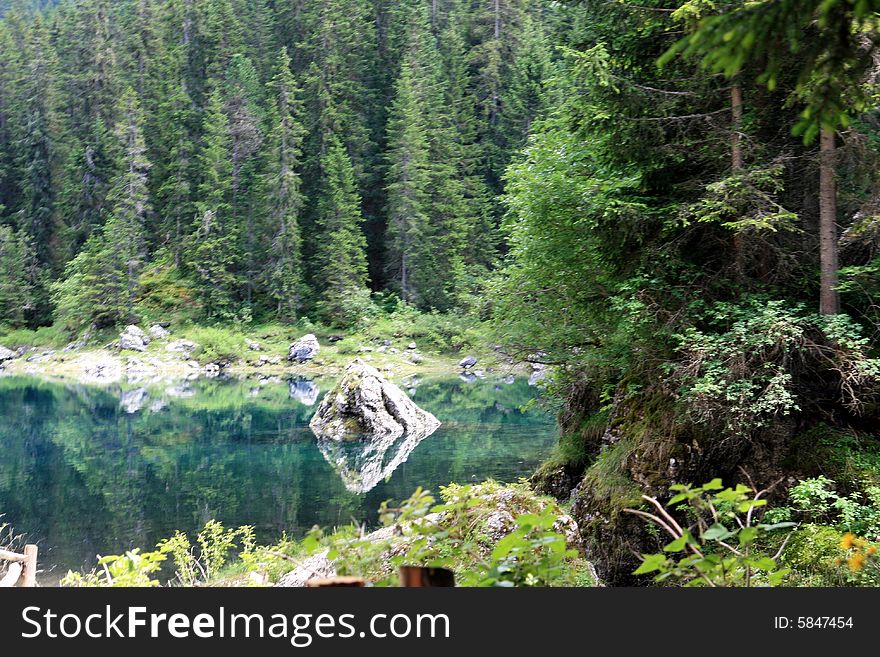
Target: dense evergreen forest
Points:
x,y
673,204
258,159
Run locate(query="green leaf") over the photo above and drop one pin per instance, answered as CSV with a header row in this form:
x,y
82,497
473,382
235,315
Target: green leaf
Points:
x,y
717,532
747,535
677,545
651,563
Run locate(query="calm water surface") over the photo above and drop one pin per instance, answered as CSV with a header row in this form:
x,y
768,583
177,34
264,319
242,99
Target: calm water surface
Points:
x,y
87,470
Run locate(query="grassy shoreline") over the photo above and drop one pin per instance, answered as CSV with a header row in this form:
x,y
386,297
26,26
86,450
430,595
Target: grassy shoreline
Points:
x,y
398,347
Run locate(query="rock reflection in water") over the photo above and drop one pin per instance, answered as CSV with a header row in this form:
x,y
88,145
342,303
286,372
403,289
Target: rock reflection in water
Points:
x,y
303,390
363,464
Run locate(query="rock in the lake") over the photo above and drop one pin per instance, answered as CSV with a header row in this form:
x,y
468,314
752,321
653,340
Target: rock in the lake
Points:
x,y
364,404
7,354
133,338
185,347
467,362
304,349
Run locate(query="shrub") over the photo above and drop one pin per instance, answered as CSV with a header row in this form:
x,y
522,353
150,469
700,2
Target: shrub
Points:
x,y
721,547
216,344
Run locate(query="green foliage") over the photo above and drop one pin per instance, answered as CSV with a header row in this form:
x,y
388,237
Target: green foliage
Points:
x,y
213,256
132,569
488,534
817,501
216,344
744,373
721,545
193,565
342,252
827,36
16,284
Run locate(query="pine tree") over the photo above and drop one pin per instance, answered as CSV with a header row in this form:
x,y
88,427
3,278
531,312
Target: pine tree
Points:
x,y
342,261
38,146
87,183
100,285
245,114
408,187
529,91
283,275
213,254
89,65
16,286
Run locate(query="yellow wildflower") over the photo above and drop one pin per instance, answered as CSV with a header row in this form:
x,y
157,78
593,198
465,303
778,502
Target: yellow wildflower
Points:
x,y
871,551
856,562
847,541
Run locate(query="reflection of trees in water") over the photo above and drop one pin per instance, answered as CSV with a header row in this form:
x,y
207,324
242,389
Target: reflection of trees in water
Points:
x,y
78,469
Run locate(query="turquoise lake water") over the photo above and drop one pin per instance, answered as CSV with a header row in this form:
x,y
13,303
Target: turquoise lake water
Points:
x,y
87,470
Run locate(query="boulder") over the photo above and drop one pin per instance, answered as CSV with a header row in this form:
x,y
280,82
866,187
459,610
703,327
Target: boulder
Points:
x,y
411,346
253,345
134,339
159,332
7,354
304,349
186,347
365,405
467,362
317,566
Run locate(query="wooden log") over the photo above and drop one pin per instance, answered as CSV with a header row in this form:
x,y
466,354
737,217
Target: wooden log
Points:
x,y
12,574
317,583
29,571
419,577
6,555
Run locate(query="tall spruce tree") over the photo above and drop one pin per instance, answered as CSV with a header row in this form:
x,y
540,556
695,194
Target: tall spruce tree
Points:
x,y
16,286
38,149
245,113
341,257
408,187
101,283
283,273
213,251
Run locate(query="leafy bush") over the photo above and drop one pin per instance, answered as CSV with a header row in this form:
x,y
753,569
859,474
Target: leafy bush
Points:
x,y
817,501
216,344
132,569
136,568
45,336
722,545
463,532
747,373
165,293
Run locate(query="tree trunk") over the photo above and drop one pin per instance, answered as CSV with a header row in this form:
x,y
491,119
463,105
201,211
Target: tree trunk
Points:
x,y
736,105
829,301
736,162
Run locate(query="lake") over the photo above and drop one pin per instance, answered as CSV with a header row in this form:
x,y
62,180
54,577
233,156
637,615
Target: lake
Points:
x,y
88,470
